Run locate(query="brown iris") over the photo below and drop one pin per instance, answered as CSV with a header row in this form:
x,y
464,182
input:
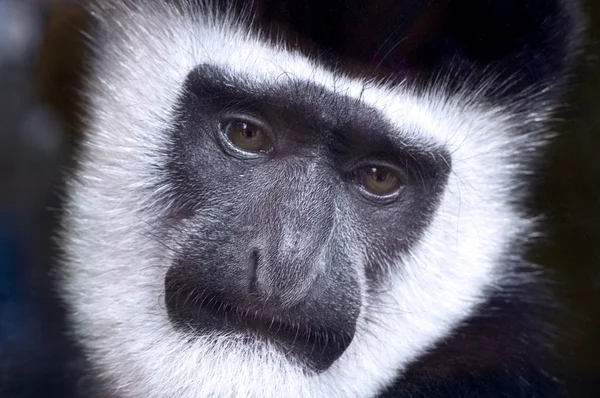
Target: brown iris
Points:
x,y
246,136
377,180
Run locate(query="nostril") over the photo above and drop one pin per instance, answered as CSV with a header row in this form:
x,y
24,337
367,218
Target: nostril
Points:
x,y
252,269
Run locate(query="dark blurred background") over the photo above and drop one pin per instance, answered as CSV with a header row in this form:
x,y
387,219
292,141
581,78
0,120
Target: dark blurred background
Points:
x,y
42,59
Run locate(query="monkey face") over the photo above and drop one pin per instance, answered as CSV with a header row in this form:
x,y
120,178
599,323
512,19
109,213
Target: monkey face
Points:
x,y
292,202
244,212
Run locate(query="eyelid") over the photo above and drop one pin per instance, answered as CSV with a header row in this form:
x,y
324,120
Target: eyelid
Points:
x,y
258,121
401,173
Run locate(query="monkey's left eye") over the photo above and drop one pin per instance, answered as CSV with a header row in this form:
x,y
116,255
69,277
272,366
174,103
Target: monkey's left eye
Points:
x,y
246,136
378,181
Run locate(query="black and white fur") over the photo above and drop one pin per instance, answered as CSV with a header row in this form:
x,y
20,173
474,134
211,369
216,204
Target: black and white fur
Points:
x,y
443,303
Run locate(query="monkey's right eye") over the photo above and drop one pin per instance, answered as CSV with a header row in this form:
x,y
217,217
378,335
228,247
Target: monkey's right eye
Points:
x,y
246,136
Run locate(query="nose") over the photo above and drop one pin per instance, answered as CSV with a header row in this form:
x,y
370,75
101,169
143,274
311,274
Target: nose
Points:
x,y
277,275
283,271
294,293
291,236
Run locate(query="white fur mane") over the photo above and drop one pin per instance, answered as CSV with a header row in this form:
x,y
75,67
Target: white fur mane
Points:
x,y
114,278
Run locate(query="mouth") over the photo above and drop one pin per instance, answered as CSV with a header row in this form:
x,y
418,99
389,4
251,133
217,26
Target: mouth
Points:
x,y
315,346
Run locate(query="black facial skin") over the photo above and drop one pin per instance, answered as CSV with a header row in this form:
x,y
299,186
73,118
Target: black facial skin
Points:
x,y
268,240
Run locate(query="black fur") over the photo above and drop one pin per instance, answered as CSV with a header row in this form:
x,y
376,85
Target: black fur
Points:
x,y
506,350
530,42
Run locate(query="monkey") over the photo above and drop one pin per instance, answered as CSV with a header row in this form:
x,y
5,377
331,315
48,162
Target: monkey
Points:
x,y
256,211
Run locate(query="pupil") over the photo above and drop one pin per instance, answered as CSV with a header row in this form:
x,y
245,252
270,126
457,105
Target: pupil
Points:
x,y
380,175
247,132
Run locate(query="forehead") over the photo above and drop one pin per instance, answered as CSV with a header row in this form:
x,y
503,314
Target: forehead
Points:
x,y
311,110
156,67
